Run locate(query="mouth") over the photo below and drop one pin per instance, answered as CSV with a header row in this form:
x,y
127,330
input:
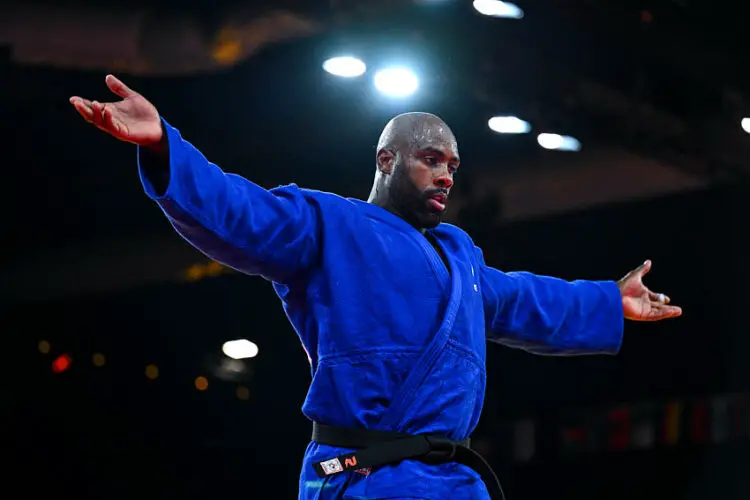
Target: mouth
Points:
x,y
437,201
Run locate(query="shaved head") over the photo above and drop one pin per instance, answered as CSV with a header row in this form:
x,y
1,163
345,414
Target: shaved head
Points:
x,y
409,129
417,156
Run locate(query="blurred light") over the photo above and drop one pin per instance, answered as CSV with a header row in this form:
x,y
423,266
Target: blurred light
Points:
x,y
496,8
240,349
194,272
234,366
228,47
346,67
232,370
99,359
61,364
508,125
746,125
201,383
198,272
227,51
43,346
558,142
213,268
243,393
396,82
152,372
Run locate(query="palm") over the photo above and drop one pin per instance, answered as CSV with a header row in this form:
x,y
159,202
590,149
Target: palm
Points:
x,y
132,119
641,304
635,299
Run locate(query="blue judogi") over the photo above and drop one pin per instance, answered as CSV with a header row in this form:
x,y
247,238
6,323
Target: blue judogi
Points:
x,y
396,339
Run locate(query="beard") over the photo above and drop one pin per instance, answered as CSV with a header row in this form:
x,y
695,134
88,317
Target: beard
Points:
x,y
412,204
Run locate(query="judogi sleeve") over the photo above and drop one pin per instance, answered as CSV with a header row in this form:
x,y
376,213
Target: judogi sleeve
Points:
x,y
271,233
551,316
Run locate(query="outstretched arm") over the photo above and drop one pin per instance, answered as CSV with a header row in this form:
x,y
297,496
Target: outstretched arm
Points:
x,y
550,316
272,233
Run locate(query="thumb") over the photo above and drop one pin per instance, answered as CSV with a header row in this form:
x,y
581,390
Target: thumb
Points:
x,y
119,88
643,269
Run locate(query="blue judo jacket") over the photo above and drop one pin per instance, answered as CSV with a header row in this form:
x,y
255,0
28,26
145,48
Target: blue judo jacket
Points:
x,y
396,340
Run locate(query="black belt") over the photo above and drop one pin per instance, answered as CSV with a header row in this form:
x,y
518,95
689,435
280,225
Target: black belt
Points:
x,y
378,448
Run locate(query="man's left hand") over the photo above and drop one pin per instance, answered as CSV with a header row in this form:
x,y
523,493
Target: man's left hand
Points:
x,y
641,304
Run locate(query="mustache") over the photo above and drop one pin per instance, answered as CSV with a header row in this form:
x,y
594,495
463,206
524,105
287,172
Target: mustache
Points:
x,y
429,193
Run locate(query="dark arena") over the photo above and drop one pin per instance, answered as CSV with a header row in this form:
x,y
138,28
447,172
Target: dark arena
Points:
x,y
375,250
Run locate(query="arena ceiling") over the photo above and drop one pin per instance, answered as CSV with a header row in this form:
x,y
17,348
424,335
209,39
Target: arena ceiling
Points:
x,y
657,88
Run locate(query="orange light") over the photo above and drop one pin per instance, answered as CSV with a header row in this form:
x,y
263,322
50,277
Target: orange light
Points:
x,y
43,346
213,268
99,359
201,383
228,47
243,393
61,364
194,272
152,372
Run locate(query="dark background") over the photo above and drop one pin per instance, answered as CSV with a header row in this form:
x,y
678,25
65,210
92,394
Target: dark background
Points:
x,y
653,90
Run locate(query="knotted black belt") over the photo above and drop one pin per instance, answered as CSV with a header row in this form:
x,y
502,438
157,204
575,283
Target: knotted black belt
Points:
x,y
379,448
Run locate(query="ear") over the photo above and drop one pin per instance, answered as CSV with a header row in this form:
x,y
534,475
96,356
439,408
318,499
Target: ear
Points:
x,y
385,160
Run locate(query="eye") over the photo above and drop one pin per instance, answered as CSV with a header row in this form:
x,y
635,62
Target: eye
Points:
x,y
452,168
430,160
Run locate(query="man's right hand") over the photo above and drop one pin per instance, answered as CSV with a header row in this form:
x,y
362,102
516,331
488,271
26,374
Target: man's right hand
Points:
x,y
133,119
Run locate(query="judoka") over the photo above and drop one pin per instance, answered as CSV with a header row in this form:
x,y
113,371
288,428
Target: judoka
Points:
x,y
393,306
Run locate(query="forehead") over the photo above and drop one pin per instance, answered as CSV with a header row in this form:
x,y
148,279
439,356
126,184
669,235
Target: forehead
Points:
x,y
436,137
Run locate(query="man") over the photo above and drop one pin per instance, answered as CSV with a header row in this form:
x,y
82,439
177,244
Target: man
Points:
x,y
392,306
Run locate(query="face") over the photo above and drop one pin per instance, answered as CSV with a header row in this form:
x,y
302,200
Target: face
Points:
x,y
422,180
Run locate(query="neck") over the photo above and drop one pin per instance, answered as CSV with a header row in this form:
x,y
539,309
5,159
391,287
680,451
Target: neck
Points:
x,y
384,202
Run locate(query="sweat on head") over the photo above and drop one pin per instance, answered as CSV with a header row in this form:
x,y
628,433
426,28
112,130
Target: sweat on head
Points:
x,y
417,156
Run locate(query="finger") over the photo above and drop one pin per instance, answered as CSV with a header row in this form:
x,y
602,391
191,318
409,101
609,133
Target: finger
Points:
x,y
659,297
644,268
97,117
79,100
117,87
111,122
84,108
664,312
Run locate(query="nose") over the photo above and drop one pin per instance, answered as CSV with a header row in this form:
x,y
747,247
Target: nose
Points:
x,y
444,180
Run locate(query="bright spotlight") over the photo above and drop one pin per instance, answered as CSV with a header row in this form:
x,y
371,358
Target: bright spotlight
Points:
x,y
240,349
396,82
558,142
496,8
347,67
508,125
746,125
